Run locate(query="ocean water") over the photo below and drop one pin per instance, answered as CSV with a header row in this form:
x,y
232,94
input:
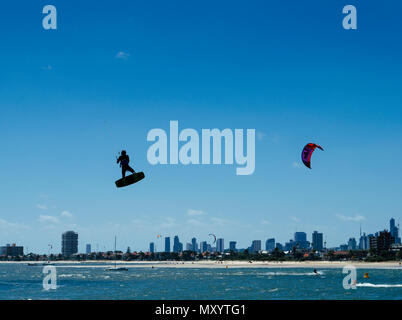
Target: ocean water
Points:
x,y
19,281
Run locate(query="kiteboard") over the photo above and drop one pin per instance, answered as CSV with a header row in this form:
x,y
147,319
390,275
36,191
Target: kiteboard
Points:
x,y
132,178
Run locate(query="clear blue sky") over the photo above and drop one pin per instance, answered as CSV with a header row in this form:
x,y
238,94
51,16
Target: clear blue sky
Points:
x,y
69,102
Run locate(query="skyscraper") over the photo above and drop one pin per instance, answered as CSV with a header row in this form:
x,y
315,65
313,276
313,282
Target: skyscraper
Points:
x,y
300,239
69,243
394,230
177,245
256,246
167,244
88,248
391,225
382,241
232,246
203,246
290,245
270,244
352,244
152,247
194,244
318,243
364,242
220,245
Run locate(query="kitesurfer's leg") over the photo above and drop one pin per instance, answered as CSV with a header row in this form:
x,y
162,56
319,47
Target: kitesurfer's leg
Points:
x,y
130,169
123,171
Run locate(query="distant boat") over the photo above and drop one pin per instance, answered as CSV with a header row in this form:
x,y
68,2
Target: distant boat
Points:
x,y
117,269
115,262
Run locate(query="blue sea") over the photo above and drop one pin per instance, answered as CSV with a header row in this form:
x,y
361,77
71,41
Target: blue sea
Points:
x,y
20,281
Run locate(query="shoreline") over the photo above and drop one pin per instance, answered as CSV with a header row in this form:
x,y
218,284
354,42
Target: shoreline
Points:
x,y
216,264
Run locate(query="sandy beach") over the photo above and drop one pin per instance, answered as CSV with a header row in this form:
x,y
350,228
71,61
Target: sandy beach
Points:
x,y
223,264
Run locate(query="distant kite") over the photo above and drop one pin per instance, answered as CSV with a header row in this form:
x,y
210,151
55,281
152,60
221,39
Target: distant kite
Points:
x,y
211,234
307,152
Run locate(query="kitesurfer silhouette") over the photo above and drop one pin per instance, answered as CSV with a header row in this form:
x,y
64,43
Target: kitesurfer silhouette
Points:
x,y
124,161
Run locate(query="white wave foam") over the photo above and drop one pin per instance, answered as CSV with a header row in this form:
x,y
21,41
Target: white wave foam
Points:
x,y
372,285
73,275
294,273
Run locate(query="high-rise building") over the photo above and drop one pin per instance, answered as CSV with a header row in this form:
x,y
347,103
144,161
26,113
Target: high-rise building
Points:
x,y
167,244
209,248
203,246
318,242
194,244
352,244
392,226
394,230
364,242
256,246
189,246
270,244
11,250
177,245
300,237
152,247
300,240
369,237
290,245
69,243
88,248
279,246
232,246
382,241
220,245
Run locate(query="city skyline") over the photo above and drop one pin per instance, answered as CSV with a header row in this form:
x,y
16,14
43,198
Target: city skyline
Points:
x,y
74,97
70,243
